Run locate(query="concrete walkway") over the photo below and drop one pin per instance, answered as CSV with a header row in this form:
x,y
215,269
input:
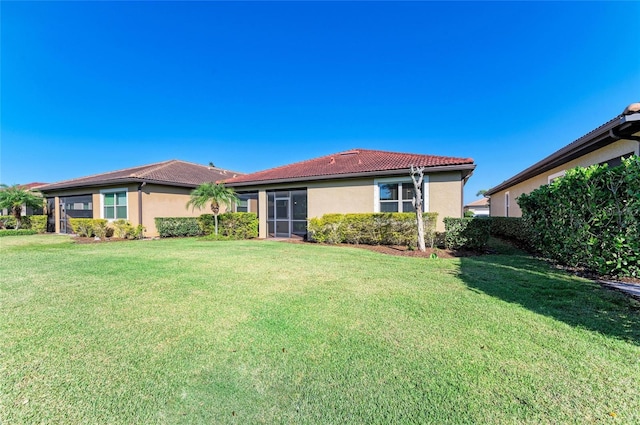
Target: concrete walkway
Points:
x,y
628,288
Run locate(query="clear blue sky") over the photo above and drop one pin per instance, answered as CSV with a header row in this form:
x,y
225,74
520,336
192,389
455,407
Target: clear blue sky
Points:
x,y
89,87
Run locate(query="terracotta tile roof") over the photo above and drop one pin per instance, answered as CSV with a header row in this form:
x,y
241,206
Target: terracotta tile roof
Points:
x,y
348,164
171,173
482,202
33,185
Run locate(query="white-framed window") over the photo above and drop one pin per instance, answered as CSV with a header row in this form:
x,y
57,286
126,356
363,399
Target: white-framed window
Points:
x,y
114,205
554,176
396,195
507,203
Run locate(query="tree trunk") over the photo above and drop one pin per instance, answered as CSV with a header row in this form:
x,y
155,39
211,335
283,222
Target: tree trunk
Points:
x,y
17,213
215,207
417,203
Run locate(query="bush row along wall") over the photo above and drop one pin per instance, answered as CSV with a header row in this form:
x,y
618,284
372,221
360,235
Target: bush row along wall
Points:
x,y
468,233
371,229
589,218
89,227
230,226
37,223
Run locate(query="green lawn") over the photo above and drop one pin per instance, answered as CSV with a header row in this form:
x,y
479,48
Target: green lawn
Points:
x,y
188,331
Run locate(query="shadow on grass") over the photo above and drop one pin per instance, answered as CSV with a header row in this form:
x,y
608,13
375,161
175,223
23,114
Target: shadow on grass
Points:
x,y
517,278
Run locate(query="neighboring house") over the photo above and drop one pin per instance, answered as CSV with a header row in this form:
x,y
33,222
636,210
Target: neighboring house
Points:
x,y
138,194
26,210
609,143
355,181
479,207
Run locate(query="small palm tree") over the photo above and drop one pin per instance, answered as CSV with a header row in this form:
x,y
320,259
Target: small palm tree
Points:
x,y
216,194
14,197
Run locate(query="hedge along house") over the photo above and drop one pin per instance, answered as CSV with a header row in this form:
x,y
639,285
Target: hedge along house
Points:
x,y
138,194
355,181
619,138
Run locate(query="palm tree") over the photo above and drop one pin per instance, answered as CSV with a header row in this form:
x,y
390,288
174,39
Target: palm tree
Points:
x,y
14,197
214,193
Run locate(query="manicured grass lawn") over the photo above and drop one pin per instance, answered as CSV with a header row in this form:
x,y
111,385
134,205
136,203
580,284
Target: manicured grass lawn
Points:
x,y
188,331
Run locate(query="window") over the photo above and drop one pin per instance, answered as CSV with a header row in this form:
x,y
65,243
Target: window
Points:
x,y
555,176
397,195
114,205
506,204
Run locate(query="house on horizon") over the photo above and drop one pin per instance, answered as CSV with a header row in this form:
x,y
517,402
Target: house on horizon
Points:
x,y
137,194
608,144
353,181
479,207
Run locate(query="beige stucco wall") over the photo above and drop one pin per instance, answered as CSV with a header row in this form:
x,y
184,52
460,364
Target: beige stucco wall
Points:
x,y
340,197
445,196
498,199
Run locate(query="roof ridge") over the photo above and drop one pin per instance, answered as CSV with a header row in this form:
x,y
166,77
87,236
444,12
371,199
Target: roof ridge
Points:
x,y
223,170
152,167
103,173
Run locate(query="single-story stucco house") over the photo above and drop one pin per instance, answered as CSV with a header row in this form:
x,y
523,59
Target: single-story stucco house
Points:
x,y
138,194
609,143
479,207
354,181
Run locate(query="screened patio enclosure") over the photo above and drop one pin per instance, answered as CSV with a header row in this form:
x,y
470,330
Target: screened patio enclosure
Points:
x,y
287,213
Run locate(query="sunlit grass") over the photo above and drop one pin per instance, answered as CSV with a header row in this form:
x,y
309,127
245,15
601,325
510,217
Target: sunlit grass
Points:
x,y
187,331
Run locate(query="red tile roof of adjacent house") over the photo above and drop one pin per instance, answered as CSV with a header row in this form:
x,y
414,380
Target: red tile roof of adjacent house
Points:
x,y
170,173
352,163
32,185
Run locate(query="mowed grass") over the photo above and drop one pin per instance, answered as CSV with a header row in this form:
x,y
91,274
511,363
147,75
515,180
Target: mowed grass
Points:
x,y
188,331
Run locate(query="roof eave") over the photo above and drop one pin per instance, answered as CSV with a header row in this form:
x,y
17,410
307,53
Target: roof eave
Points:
x,y
111,182
467,169
586,144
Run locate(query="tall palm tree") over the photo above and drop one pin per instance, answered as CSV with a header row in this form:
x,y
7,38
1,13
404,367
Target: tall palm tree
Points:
x,y
216,194
14,197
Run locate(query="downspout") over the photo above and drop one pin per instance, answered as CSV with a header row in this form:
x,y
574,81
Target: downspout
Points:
x,y
140,202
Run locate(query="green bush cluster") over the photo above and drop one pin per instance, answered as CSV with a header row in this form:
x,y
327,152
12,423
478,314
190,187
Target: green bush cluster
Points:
x,y
39,223
9,222
589,218
14,232
372,229
468,233
177,226
513,228
88,227
231,225
124,230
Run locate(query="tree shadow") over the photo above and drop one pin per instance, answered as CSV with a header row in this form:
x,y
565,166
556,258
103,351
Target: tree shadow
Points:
x,y
534,284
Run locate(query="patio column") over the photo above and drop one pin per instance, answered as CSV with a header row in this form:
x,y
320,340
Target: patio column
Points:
x,y
262,214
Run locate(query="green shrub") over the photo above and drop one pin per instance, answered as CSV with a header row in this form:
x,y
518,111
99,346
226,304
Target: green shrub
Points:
x,y
371,229
39,223
467,233
138,232
589,218
19,232
230,225
177,226
100,228
82,226
512,228
122,229
9,222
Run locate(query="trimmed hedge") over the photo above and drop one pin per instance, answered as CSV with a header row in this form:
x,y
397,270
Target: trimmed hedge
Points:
x,y
589,218
39,223
371,229
88,227
169,227
231,225
19,232
468,233
513,228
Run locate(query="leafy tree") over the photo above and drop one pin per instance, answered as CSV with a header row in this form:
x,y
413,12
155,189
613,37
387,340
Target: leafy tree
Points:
x,y
215,194
481,192
14,197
